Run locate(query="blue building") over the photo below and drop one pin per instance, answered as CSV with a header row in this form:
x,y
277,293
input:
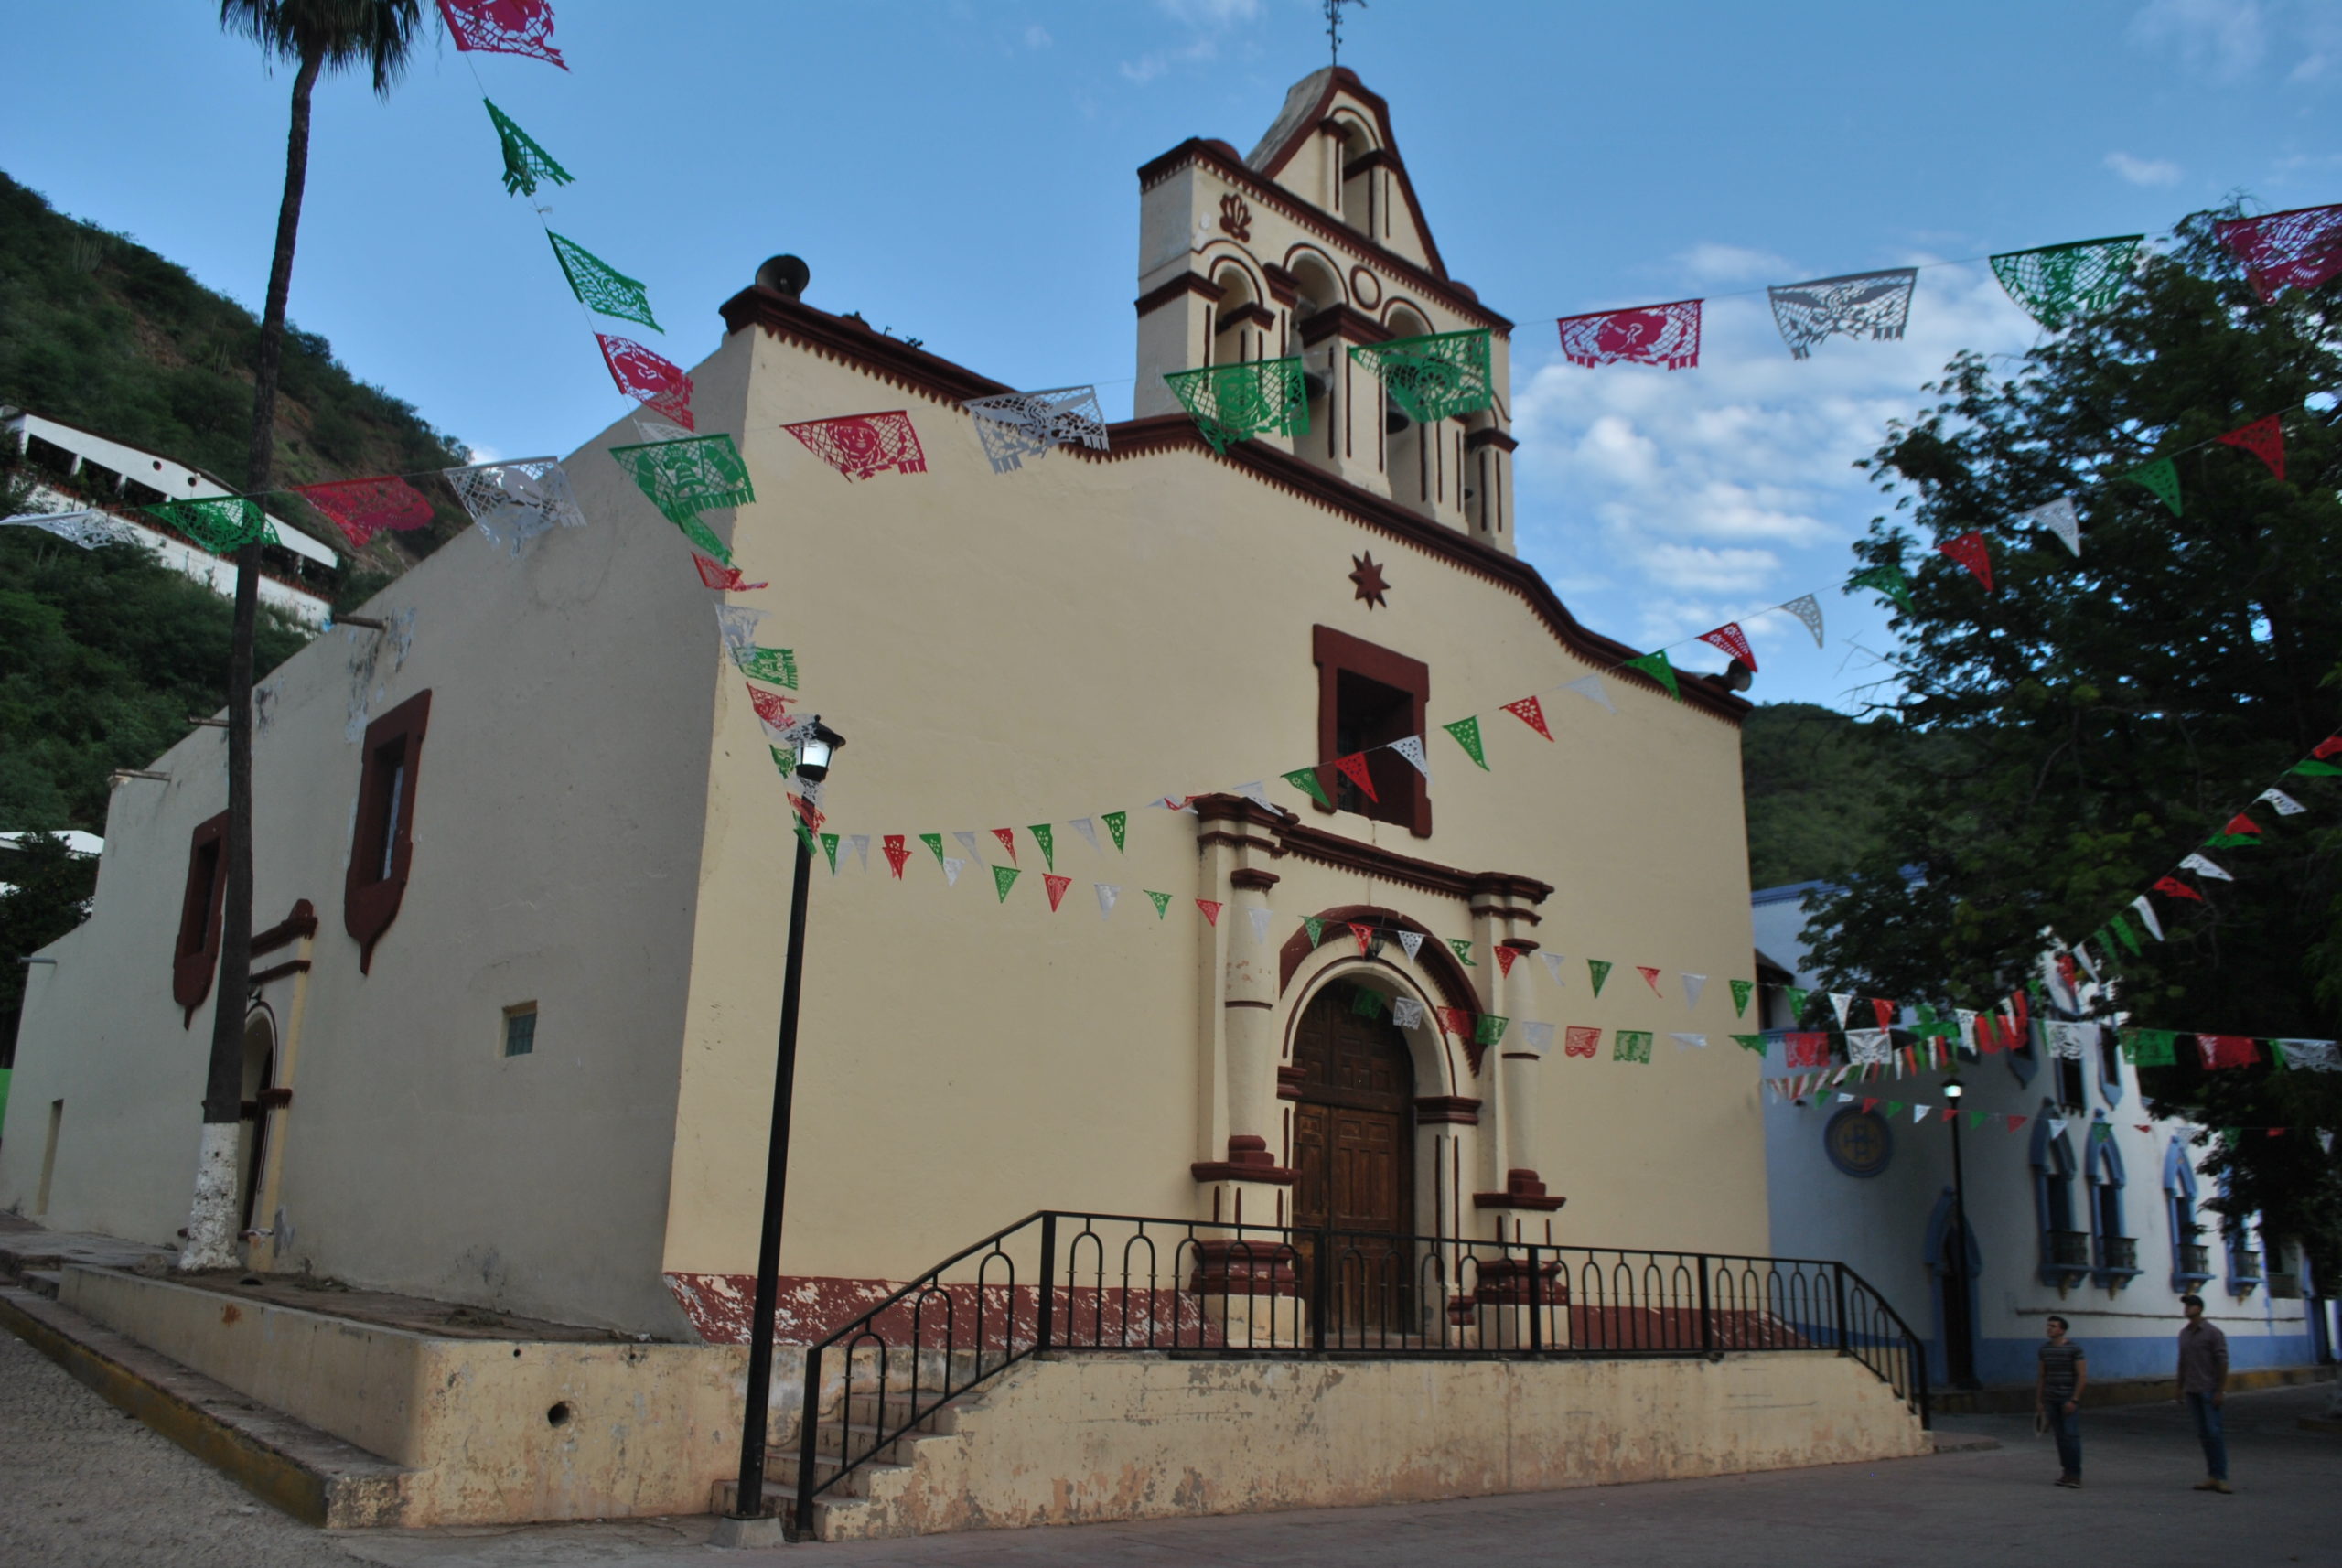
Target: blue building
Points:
x,y
2072,1208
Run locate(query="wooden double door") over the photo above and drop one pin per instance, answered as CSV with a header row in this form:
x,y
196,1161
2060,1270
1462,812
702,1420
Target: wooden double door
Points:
x,y
1353,1155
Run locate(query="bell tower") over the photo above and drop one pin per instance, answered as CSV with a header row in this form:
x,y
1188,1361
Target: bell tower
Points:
x,y
1310,246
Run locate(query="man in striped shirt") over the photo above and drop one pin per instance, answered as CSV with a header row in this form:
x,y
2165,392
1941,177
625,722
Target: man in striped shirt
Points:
x,y
2057,1393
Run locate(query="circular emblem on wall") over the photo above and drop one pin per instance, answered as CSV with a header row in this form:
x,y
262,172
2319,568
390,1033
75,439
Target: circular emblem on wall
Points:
x,y
1858,1142
1366,288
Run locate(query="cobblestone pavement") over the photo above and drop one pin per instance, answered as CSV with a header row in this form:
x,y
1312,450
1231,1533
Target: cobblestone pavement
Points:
x,y
82,1485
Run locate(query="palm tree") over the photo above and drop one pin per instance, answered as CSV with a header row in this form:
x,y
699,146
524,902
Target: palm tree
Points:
x,y
314,36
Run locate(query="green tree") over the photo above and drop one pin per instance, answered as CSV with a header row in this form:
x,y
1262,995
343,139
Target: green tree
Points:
x,y
2108,713
313,36
47,895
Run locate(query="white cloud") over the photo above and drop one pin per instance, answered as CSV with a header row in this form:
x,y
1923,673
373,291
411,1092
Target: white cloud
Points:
x,y
1036,37
1213,13
2227,38
2143,171
1664,503
1205,20
1710,262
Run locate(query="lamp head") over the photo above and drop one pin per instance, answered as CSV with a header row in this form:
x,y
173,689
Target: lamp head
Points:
x,y
1953,1088
813,752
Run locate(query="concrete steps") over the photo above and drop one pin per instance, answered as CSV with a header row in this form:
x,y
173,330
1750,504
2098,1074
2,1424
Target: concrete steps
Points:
x,y
316,1477
893,1464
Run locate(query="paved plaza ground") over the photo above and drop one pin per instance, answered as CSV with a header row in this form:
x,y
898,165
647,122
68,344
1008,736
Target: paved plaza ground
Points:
x,y
81,1484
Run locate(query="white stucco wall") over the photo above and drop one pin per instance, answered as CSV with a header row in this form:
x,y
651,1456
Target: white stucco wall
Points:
x,y
1881,1225
557,820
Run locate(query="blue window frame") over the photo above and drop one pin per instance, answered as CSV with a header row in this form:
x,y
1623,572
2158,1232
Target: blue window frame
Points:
x,y
2110,1065
2190,1259
2244,1259
2114,1251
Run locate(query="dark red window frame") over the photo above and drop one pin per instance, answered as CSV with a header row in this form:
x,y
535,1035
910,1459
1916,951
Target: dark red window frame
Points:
x,y
1406,797
195,956
370,899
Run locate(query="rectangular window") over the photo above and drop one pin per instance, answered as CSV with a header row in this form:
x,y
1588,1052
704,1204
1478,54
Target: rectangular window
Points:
x,y
382,847
1367,697
196,954
388,788
521,1029
2069,1083
203,890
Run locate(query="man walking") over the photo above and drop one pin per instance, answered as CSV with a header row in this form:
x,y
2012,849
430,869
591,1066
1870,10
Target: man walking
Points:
x,y
2058,1386
2203,1384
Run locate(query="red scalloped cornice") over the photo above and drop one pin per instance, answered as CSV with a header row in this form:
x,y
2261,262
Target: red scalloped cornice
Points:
x,y
1323,224
915,370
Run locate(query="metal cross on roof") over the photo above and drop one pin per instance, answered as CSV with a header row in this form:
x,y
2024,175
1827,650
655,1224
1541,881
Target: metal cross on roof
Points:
x,y
1334,23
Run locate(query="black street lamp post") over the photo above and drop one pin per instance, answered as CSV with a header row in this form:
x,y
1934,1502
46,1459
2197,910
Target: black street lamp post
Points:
x,y
813,755
1959,1359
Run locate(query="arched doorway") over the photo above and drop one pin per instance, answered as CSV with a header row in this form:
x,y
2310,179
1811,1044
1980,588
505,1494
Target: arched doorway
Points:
x,y
1353,1159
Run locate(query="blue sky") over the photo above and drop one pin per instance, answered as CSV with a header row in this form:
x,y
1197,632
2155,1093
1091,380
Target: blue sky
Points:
x,y
963,172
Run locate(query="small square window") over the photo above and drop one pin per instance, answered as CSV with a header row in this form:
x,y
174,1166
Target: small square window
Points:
x,y
521,1029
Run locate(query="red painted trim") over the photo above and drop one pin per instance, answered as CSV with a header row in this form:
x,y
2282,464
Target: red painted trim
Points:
x,y
1341,321
852,344
1404,795
1155,298
1437,959
1447,1108
1343,79
369,903
1522,1189
1433,281
298,926
1501,440
195,954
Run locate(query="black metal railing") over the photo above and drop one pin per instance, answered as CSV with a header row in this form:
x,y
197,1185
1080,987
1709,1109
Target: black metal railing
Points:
x,y
2067,1248
2117,1254
1093,1283
2195,1261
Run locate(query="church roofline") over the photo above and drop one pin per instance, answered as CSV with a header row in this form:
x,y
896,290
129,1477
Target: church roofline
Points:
x,y
1304,113
1222,159
853,342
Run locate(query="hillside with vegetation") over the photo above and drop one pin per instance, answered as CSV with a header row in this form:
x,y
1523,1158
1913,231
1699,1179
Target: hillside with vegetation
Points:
x,y
1817,784
101,332
106,655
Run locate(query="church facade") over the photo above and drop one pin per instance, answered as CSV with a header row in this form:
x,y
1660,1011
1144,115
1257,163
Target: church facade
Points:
x,y
527,858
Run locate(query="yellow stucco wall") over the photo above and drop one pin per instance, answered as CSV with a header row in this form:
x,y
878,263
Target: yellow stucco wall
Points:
x,y
1081,636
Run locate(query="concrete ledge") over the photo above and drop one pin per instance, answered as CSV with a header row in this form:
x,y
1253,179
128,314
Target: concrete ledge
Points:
x,y
487,1431
1086,1439
2018,1400
316,1478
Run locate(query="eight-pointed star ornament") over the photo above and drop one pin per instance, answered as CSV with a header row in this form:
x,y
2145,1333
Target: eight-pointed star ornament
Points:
x,y
1367,576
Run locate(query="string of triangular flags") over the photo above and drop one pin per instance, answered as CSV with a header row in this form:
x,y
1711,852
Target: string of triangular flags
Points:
x,y
2055,285
1819,1096
2116,935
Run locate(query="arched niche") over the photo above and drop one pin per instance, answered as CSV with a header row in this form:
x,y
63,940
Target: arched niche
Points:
x,y
1241,317
1406,446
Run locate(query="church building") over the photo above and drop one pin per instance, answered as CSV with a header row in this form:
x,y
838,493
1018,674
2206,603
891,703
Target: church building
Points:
x,y
526,853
